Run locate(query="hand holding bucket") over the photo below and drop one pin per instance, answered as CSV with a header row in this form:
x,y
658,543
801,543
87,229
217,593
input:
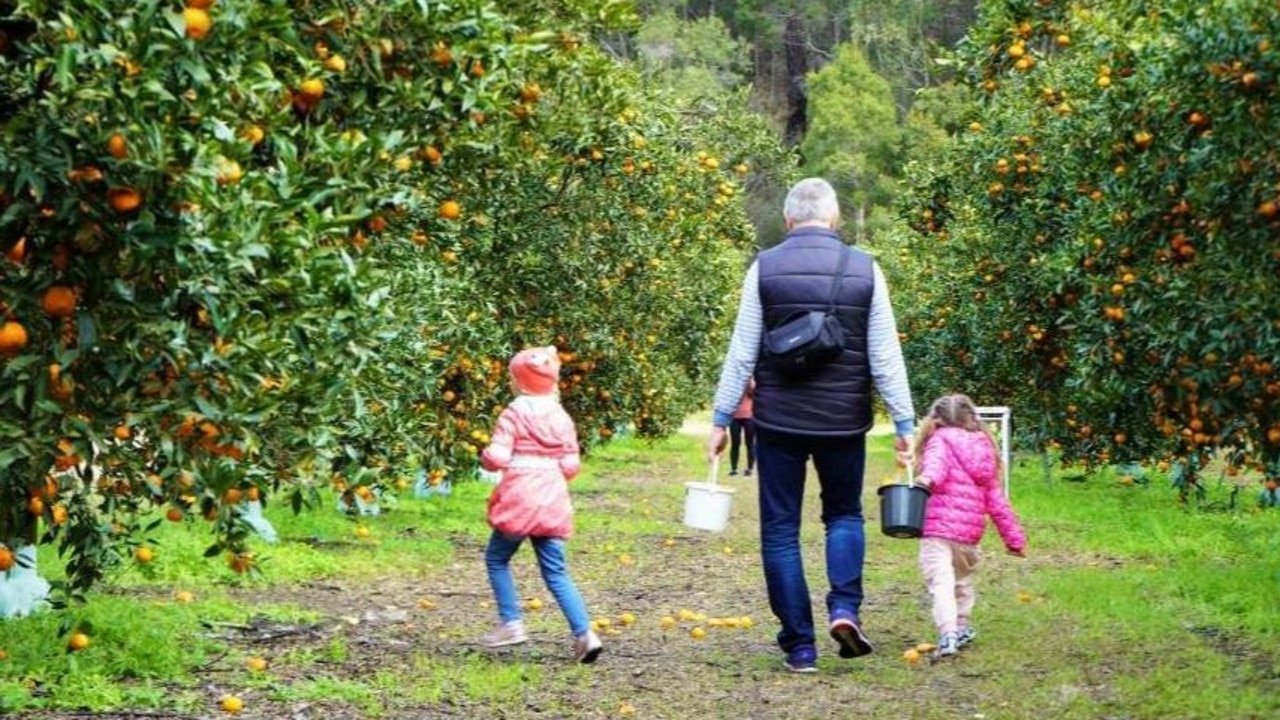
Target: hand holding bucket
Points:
x,y
707,504
902,507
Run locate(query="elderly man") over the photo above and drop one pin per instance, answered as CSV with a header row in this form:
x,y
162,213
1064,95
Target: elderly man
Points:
x,y
821,413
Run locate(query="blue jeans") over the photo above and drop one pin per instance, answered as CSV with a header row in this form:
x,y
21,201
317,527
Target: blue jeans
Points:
x,y
840,463
555,573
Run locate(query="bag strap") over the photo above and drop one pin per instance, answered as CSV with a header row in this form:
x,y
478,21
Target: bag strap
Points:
x,y
839,278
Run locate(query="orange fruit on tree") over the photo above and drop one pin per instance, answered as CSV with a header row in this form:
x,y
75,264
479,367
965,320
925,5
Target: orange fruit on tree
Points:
x,y
240,562
59,301
229,171
200,4
143,555
441,55
124,199
13,337
118,146
198,22
18,252
6,559
530,93
77,641
253,134
335,63
174,515
450,210
312,89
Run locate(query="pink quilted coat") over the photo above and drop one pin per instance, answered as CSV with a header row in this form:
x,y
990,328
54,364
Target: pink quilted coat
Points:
x,y
961,469
535,444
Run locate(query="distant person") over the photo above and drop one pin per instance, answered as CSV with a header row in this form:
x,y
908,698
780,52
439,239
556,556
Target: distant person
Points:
x,y
822,414
535,445
959,464
741,432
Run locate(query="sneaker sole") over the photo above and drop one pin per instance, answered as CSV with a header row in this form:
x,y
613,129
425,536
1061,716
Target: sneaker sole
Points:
x,y
506,643
852,643
801,670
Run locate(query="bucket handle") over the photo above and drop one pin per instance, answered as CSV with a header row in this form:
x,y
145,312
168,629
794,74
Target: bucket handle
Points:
x,y
911,464
715,470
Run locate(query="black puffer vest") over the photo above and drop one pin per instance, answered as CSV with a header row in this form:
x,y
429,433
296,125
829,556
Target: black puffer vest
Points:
x,y
796,276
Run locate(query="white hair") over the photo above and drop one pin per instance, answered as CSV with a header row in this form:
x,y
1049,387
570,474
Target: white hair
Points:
x,y
812,200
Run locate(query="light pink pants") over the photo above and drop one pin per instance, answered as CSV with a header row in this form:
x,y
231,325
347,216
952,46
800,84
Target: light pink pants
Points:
x,y
948,572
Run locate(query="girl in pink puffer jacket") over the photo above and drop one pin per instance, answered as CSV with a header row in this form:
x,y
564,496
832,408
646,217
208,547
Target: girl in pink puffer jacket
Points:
x,y
959,464
535,445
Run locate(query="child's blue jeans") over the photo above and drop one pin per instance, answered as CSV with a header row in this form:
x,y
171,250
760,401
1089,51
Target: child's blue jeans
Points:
x,y
555,573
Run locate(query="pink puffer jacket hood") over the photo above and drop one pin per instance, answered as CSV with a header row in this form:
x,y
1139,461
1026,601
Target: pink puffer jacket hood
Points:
x,y
964,483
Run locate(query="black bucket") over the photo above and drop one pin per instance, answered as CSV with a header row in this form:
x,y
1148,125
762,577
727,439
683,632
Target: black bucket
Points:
x,y
902,510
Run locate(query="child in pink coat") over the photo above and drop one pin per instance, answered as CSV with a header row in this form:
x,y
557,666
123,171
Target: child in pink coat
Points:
x,y
535,445
959,464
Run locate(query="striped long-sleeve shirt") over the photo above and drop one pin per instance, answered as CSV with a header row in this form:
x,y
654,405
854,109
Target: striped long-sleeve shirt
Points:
x,y
888,369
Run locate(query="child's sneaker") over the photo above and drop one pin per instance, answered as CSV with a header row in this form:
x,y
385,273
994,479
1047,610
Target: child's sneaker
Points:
x,y
802,659
847,632
586,648
965,636
508,633
948,645
746,473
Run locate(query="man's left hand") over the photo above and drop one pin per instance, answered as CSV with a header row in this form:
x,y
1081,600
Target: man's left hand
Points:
x,y
902,448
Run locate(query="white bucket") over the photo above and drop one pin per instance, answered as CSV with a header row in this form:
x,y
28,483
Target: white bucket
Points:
x,y
706,504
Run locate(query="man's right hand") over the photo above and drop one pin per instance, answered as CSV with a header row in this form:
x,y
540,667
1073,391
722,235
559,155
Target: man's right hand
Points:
x,y
716,442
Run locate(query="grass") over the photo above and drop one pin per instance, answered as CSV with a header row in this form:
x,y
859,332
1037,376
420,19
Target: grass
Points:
x,y
1130,605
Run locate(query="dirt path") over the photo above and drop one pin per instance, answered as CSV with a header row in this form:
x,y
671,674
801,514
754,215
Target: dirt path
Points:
x,y
404,646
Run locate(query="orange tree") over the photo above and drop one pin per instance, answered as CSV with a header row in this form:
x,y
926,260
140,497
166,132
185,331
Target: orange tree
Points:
x,y
253,248
1101,247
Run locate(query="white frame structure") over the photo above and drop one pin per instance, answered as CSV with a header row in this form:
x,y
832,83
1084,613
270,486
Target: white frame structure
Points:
x,y
999,415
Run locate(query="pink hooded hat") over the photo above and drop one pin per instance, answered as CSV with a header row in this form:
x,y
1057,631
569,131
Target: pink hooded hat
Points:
x,y
536,370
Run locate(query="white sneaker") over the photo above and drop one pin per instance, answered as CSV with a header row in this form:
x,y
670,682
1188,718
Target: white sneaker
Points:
x,y
966,636
948,645
509,633
586,648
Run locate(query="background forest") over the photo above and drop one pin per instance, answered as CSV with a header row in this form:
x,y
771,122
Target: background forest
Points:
x,y
856,86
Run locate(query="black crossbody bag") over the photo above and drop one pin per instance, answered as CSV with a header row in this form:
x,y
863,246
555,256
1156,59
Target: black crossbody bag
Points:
x,y
807,339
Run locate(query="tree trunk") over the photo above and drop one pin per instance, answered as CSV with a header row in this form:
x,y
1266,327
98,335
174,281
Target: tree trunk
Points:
x,y
795,39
